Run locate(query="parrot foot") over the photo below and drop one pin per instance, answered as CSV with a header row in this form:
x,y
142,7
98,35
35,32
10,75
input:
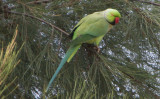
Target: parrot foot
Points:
x,y
97,49
92,48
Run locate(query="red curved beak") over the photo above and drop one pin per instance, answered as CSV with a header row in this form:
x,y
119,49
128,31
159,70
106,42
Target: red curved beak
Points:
x,y
116,20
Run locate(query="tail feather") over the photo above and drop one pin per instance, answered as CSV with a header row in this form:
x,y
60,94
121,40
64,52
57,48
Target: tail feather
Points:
x,y
70,53
73,53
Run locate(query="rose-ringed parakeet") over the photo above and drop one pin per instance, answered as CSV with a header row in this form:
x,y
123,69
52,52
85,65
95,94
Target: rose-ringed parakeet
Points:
x,y
90,29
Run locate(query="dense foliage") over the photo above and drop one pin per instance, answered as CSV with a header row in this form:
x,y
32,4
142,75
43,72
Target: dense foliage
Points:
x,y
127,66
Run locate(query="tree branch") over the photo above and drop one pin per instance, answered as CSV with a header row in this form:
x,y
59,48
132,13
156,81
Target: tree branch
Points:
x,y
39,2
53,26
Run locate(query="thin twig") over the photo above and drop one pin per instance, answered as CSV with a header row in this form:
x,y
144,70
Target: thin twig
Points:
x,y
53,26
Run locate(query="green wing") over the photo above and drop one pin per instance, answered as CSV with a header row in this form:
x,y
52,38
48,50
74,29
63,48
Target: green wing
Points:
x,y
79,23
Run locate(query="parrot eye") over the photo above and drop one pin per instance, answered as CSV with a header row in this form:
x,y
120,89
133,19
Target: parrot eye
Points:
x,y
112,14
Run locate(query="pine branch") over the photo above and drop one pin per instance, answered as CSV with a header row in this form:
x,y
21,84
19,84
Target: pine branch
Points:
x,y
28,3
148,2
39,19
141,84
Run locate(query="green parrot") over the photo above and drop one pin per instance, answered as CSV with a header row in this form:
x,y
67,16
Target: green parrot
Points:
x,y
90,29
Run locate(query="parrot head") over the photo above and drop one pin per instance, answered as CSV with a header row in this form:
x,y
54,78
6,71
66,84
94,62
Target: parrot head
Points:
x,y
112,16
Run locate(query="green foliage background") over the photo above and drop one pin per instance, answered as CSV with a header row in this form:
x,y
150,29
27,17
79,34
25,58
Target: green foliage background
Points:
x,y
127,66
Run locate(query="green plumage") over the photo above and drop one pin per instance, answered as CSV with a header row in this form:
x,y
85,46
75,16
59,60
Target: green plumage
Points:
x,y
91,29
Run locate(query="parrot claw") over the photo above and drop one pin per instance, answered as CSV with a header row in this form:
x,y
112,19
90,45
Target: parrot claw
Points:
x,y
92,47
97,49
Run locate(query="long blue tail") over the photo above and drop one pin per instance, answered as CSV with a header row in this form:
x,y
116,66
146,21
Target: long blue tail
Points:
x,y
63,61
